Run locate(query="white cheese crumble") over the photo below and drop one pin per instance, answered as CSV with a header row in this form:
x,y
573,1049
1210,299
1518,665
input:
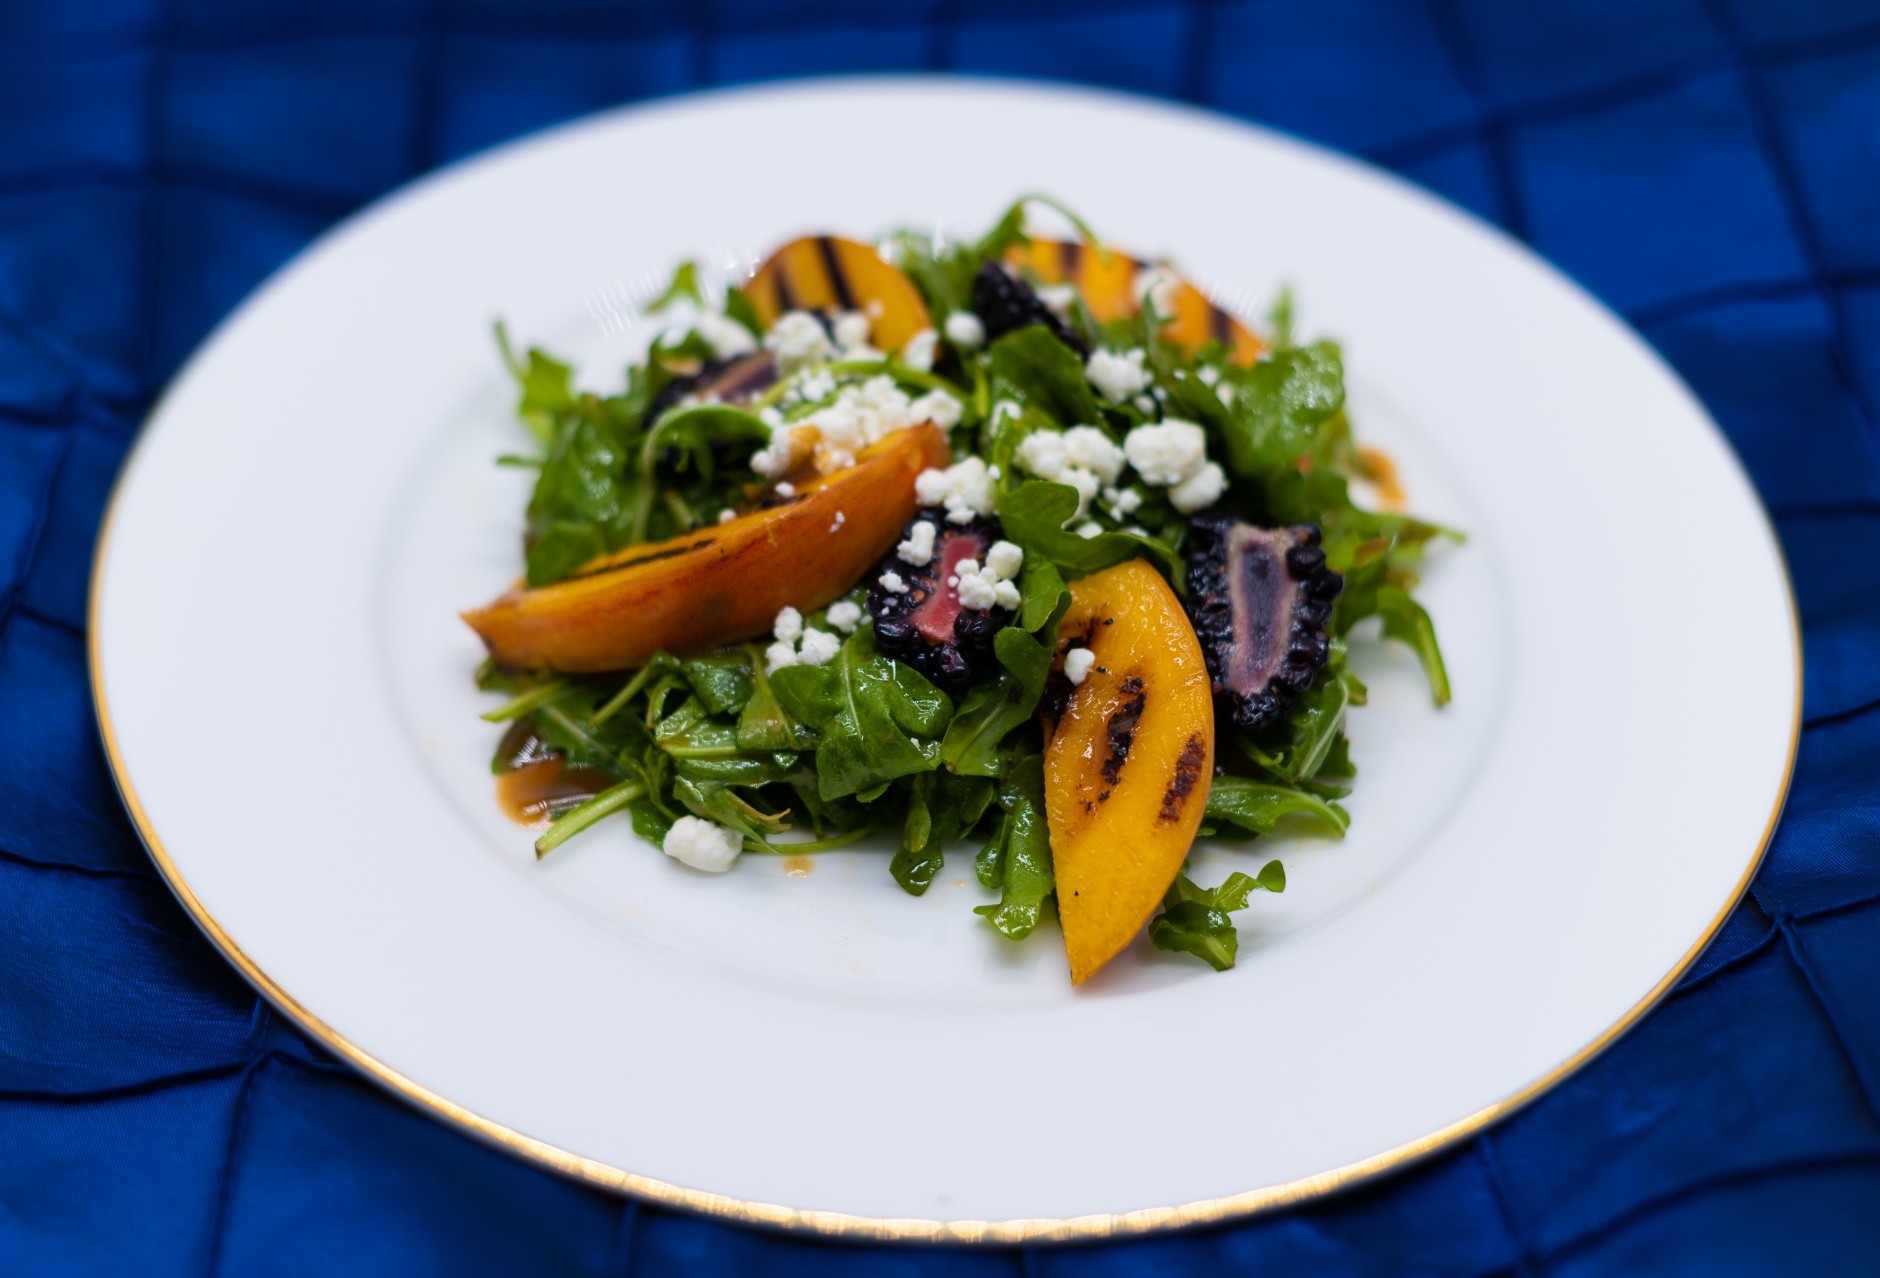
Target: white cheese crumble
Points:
x,y
851,330
1057,299
993,583
1077,663
965,331
786,490
1043,453
1203,488
818,647
726,515
788,448
1095,451
1005,559
788,627
727,338
844,615
814,386
1085,482
892,582
778,655
938,407
703,845
1157,286
918,352
964,488
1209,374
798,340
1122,502
1168,452
918,548
1117,376
1089,528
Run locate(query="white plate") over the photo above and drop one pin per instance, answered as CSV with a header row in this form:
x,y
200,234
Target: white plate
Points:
x,y
285,696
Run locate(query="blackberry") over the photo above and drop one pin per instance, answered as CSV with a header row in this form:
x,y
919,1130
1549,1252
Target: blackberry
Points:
x,y
1259,599
1004,302
924,624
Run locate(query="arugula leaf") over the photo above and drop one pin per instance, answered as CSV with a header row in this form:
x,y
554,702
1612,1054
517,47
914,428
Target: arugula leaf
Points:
x,y
1279,405
1034,516
992,710
1259,807
1313,728
722,680
683,286
874,718
1406,621
1037,370
1017,859
762,724
1194,920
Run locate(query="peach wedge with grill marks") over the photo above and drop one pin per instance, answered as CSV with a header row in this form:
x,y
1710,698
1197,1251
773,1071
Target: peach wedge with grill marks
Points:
x,y
720,583
1128,759
828,273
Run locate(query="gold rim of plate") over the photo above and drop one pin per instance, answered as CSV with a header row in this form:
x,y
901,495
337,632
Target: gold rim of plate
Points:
x,y
895,1229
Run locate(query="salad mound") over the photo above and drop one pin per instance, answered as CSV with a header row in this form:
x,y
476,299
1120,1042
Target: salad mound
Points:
x,y
1016,542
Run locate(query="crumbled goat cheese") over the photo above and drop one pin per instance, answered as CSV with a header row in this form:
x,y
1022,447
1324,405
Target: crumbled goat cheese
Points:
x,y
1089,528
814,386
1005,594
1168,452
778,655
1203,488
727,338
1085,482
818,647
1227,391
964,488
844,615
1090,448
1209,374
726,515
994,471
918,352
838,521
1058,298
975,585
788,626
1077,663
788,448
786,490
703,845
1117,376
1043,453
891,581
918,548
1005,559
798,340
851,329
938,407
1122,502
966,331
1144,404
771,416
1006,409
1157,286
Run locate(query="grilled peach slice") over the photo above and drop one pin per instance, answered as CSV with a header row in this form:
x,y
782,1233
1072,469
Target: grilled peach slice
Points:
x,y
824,272
1109,290
719,583
1128,760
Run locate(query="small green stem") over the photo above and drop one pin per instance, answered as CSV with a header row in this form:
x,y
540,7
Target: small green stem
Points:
x,y
534,699
606,803
619,699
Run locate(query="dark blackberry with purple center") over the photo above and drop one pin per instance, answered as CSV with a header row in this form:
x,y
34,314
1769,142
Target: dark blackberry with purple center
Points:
x,y
924,624
1259,599
1004,302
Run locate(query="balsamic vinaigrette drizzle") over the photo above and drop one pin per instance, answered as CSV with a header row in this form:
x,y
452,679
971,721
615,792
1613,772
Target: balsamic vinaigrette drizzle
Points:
x,y
534,784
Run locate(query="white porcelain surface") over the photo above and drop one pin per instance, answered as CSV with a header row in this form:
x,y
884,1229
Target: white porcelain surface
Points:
x,y
290,695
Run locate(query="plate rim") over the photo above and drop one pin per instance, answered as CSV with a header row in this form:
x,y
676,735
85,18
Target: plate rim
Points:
x,y
845,1224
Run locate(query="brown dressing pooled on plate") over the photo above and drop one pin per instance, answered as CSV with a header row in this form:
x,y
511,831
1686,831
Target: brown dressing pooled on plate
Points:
x,y
537,785
1377,468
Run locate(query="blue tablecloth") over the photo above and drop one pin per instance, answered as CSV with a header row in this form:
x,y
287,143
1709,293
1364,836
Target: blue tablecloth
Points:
x,y
1711,168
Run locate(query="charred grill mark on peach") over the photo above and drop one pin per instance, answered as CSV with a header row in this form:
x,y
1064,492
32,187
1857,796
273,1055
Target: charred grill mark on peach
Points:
x,y
1120,731
838,281
1189,766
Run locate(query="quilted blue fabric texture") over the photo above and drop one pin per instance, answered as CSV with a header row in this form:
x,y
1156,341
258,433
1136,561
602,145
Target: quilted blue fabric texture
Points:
x,y
1711,168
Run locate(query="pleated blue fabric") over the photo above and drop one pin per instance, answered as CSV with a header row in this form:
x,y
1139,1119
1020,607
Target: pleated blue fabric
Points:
x,y
1710,168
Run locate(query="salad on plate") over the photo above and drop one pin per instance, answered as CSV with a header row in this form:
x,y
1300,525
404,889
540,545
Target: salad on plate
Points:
x,y
1017,543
